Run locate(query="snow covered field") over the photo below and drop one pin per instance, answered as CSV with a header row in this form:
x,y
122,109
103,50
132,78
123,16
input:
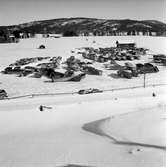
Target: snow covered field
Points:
x,y
120,129
56,137
16,86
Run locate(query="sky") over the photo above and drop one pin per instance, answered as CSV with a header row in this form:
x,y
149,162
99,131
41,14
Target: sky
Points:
x,y
22,11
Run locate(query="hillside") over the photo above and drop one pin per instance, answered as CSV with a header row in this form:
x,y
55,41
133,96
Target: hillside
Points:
x,y
93,25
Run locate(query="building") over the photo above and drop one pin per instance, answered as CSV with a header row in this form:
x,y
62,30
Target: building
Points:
x,y
125,44
153,33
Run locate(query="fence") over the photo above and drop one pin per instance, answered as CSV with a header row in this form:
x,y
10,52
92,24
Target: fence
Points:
x,y
134,87
36,95
72,93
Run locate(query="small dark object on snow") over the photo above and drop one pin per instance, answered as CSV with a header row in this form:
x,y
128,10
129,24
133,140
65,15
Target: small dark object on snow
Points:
x,y
41,108
3,94
88,91
42,47
153,94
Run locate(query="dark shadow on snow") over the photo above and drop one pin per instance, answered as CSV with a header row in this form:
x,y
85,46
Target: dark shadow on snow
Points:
x,y
94,127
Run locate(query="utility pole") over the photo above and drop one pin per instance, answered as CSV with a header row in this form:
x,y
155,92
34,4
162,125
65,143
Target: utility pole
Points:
x,y
144,79
144,76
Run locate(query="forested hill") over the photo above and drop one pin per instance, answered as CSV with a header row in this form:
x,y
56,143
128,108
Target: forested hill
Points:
x,y
78,25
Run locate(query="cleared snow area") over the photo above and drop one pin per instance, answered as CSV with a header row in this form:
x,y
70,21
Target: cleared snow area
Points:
x,y
56,137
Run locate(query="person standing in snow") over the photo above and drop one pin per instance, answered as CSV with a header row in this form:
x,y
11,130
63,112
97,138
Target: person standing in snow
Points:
x,y
41,108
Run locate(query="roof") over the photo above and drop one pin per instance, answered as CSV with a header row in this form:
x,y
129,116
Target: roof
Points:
x,y
60,70
128,64
126,42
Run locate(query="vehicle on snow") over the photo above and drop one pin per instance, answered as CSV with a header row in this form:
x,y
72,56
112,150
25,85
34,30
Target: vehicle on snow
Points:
x,y
88,91
3,94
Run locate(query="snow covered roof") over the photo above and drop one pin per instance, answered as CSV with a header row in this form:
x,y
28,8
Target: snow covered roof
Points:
x,y
128,64
126,41
61,70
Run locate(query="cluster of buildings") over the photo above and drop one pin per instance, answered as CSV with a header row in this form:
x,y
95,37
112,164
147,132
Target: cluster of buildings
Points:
x,y
118,33
14,36
106,33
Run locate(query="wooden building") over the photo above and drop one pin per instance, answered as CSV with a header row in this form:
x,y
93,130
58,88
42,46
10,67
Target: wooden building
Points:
x,y
125,44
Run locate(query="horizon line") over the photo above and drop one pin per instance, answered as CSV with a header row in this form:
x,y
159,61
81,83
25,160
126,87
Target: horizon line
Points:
x,y
79,17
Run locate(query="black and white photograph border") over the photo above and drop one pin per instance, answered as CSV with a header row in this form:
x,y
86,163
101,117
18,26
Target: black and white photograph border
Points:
x,y
82,83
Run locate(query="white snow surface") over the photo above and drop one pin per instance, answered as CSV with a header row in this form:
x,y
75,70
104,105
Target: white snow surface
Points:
x,y
54,137
123,128
16,86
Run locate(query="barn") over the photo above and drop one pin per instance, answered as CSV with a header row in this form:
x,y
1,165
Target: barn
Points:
x,y
125,44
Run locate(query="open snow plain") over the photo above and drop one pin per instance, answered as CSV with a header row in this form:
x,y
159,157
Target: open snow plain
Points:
x,y
120,128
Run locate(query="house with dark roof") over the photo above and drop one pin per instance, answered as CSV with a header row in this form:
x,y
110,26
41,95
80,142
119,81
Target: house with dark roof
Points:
x,y
125,44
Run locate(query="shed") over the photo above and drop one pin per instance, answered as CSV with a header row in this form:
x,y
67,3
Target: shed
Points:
x,y
125,44
129,65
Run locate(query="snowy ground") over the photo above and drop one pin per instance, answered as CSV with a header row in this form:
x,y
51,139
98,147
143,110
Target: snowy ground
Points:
x,y
16,86
120,128
56,136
